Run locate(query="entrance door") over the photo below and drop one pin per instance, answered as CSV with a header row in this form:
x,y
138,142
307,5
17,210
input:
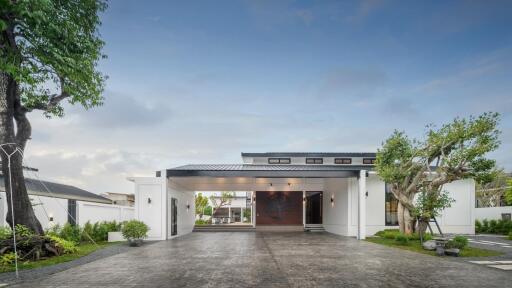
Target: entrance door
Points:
x,y
174,216
314,207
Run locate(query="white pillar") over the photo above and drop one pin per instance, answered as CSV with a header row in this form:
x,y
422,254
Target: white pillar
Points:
x,y
229,211
303,208
242,214
361,231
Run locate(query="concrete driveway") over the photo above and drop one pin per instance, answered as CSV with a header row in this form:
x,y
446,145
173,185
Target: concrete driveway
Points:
x,y
254,259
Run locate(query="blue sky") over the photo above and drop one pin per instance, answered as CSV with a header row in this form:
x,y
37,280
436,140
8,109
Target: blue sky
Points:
x,y
201,81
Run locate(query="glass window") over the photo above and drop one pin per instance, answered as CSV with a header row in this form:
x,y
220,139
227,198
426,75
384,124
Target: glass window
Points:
x,y
314,161
391,207
343,161
368,160
279,161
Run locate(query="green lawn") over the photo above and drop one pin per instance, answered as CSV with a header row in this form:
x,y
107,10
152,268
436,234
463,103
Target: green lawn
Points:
x,y
416,247
83,250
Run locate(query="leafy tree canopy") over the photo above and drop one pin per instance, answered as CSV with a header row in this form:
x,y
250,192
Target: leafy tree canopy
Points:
x,y
51,48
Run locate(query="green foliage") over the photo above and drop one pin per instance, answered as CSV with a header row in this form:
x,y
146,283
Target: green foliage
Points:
x,y
493,226
201,203
208,210
247,214
393,233
202,222
135,229
429,205
23,231
510,235
456,149
508,192
459,242
66,246
53,230
71,233
7,259
402,239
56,52
5,233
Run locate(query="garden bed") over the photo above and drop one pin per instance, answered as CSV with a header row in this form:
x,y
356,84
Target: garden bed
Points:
x,y
82,250
415,246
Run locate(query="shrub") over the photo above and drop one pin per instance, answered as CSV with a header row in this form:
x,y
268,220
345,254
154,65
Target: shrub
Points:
x,y
135,229
390,235
416,236
87,232
23,231
485,226
70,233
66,246
54,230
510,235
492,226
478,226
459,242
5,233
201,222
7,259
402,239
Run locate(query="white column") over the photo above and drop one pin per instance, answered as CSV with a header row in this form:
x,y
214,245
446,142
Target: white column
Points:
x,y
242,214
229,211
361,231
252,209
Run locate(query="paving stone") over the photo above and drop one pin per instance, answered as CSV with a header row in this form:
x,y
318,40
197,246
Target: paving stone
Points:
x,y
271,259
502,267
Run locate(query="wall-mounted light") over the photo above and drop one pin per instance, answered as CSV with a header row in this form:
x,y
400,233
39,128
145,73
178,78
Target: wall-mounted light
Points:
x,y
149,200
253,199
188,207
366,194
303,199
332,199
289,184
51,218
270,184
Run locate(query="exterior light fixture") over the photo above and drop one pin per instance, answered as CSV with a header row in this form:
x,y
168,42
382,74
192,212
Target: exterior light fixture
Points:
x,y
332,199
149,200
303,199
51,218
254,199
289,184
188,206
270,184
366,193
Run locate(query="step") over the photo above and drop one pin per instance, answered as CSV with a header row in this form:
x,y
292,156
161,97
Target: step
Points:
x,y
224,228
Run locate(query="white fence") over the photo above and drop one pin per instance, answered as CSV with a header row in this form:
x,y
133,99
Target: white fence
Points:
x,y
490,213
95,212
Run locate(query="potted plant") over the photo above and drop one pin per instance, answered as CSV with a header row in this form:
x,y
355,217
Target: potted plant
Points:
x,y
135,231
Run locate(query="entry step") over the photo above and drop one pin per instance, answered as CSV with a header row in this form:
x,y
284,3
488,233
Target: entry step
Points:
x,y
223,228
314,228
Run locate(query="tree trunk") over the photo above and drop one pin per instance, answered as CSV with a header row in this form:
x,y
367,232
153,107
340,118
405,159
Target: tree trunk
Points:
x,y
405,220
10,111
422,225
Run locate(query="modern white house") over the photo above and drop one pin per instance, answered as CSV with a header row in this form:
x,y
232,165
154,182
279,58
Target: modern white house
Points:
x,y
339,192
56,203
233,211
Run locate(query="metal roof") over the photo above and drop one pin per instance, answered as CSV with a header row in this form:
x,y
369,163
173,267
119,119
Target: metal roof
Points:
x,y
56,190
310,154
266,170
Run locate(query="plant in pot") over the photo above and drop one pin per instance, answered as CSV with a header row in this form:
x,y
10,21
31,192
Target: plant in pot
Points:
x,y
135,231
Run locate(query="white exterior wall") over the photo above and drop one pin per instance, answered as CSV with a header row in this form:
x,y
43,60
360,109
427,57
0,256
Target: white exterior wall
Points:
x,y
150,205
336,215
96,212
490,213
45,207
186,216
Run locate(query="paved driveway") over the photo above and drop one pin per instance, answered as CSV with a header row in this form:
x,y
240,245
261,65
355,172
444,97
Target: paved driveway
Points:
x,y
240,259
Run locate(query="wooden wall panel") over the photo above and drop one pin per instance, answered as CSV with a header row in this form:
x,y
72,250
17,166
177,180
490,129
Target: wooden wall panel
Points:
x,y
279,208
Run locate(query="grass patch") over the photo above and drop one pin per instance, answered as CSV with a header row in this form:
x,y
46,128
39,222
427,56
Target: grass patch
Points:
x,y
415,246
82,250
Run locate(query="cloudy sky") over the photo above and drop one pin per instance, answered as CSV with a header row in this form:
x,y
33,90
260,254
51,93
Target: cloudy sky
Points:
x,y
202,81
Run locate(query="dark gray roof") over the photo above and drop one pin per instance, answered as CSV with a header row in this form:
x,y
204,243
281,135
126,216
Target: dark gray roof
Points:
x,y
265,170
310,154
56,190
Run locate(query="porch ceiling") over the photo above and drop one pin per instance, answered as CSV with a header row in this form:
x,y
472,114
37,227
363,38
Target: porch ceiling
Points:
x,y
268,171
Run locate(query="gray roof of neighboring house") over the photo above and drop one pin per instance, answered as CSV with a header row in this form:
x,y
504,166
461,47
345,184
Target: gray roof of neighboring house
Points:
x,y
310,154
266,170
56,190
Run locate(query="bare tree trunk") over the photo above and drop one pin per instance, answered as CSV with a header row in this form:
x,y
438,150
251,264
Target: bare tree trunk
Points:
x,y
405,220
10,111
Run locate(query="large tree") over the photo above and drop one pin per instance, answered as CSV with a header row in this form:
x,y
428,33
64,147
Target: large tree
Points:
x,y
49,51
452,152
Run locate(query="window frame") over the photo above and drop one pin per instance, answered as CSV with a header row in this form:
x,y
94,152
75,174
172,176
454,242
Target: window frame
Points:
x,y
342,161
279,160
315,159
389,198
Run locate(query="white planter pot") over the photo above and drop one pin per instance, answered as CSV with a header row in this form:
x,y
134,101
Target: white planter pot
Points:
x,y
115,237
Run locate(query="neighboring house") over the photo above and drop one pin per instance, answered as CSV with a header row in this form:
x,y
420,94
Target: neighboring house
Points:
x,y
122,199
233,211
56,203
491,204
339,192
